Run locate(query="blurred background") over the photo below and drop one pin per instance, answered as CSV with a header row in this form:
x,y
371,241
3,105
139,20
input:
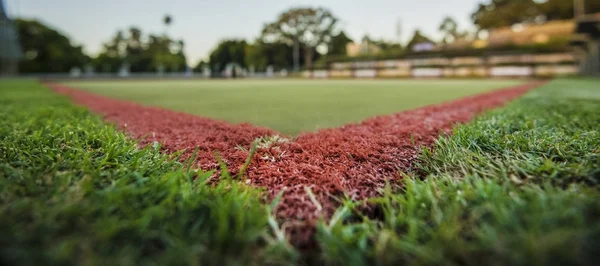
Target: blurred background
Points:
x,y
313,39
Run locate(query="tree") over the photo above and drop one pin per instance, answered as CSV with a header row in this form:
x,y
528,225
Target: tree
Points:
x,y
449,28
261,54
47,50
227,52
165,52
113,55
177,53
417,38
200,66
134,43
561,9
504,13
167,20
306,27
256,56
142,54
381,47
386,46
338,44
134,53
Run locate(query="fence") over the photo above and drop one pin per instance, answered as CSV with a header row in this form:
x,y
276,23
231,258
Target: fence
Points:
x,y
147,75
500,65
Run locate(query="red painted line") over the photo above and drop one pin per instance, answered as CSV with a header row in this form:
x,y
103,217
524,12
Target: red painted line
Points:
x,y
174,130
353,160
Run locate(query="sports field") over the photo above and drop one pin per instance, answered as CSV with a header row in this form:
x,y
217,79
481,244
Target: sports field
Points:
x,y
292,106
517,185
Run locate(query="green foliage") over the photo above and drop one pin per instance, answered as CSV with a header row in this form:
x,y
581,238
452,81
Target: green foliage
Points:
x,y
47,50
167,20
256,56
279,55
560,9
387,47
383,49
308,27
449,28
76,191
518,186
504,13
338,43
142,54
228,52
200,66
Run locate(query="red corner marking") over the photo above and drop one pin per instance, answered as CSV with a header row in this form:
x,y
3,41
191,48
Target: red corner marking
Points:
x,y
354,160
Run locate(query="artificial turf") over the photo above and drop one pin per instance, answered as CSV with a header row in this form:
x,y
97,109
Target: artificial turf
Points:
x,y
292,106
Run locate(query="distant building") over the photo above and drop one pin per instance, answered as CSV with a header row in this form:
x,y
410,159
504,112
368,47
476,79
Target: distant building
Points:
x,y
582,34
519,35
423,47
586,43
366,47
10,50
528,34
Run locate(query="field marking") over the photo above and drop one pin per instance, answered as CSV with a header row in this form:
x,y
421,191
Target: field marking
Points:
x,y
355,160
292,106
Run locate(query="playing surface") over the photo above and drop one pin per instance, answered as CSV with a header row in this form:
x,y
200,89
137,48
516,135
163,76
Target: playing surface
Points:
x,y
291,106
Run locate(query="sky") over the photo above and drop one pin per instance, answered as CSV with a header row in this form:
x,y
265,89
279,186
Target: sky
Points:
x,y
201,24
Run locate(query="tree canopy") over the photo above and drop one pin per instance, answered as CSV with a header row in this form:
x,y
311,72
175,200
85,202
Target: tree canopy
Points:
x,y
561,9
47,50
503,13
261,54
450,31
142,53
228,51
200,66
308,32
167,20
306,26
338,43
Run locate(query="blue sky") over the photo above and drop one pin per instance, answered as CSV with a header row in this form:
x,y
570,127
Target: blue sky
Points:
x,y
202,23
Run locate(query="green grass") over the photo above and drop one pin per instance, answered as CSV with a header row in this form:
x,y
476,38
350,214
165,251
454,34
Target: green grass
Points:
x,y
518,186
292,106
76,191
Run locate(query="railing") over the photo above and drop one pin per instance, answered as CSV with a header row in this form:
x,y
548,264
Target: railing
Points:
x,y
146,75
495,65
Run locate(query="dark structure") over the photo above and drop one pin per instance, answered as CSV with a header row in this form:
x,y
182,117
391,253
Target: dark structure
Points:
x,y
10,50
587,44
